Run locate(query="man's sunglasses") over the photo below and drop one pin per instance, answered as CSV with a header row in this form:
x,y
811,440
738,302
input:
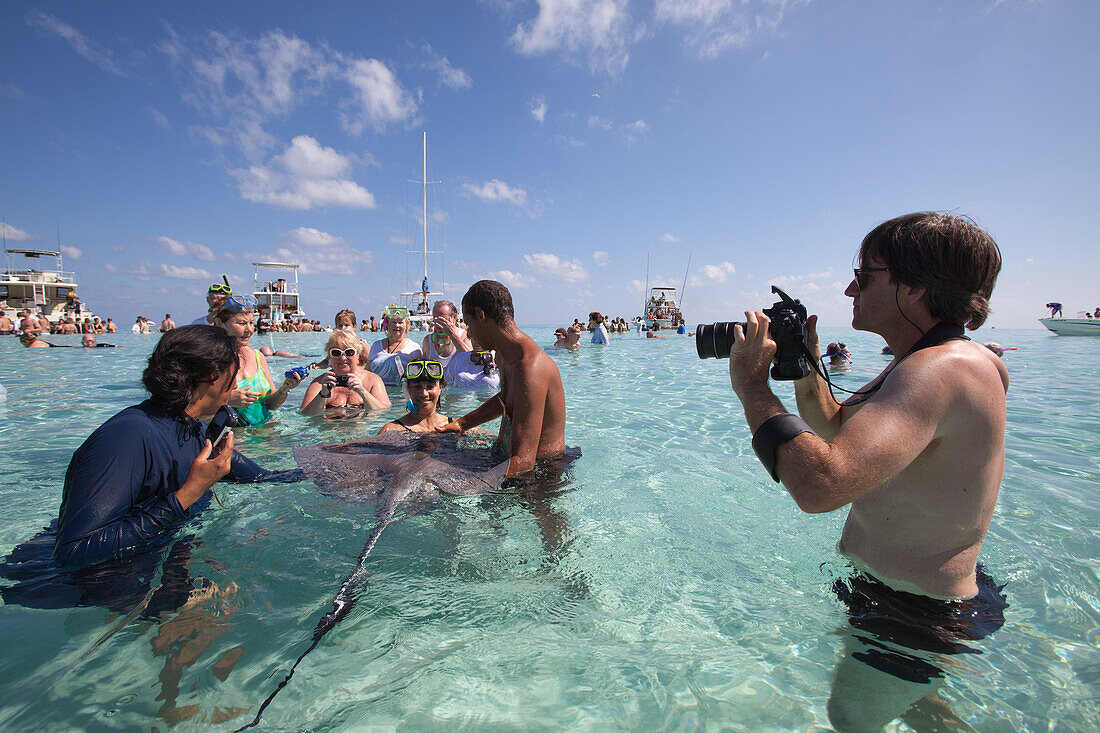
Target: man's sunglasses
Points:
x,y
863,275
219,288
417,369
346,353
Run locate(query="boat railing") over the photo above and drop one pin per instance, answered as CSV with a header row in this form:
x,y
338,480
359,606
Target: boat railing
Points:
x,y
51,277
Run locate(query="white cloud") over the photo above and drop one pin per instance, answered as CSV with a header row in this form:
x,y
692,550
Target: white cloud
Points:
x,y
713,274
185,273
13,234
118,248
714,26
600,122
601,258
496,191
10,91
307,158
72,252
670,238
159,118
513,280
634,130
449,76
552,267
378,97
569,142
244,83
84,47
538,109
186,249
597,30
321,252
305,176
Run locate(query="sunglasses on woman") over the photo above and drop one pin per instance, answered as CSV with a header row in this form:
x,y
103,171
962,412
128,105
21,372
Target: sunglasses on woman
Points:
x,y
346,353
219,288
417,369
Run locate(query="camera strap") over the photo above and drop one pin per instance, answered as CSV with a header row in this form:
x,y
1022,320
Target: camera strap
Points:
x,y
938,334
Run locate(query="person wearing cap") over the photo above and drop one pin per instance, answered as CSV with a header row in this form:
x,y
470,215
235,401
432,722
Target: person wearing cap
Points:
x,y
216,296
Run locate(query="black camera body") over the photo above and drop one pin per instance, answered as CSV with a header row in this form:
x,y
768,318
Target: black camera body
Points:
x,y
787,329
342,380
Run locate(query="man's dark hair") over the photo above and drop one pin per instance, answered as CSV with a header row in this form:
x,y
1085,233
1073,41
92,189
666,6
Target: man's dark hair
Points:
x,y
492,298
185,358
950,256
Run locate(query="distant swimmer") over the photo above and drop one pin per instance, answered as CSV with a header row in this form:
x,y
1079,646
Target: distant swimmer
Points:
x,y
88,341
531,403
167,324
917,457
838,354
31,341
6,325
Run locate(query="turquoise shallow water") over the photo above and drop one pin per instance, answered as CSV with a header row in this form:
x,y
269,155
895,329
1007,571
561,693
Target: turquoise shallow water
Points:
x,y
669,586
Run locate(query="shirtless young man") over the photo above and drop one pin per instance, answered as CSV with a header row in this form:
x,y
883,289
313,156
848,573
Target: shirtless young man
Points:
x,y
167,324
6,325
532,399
918,454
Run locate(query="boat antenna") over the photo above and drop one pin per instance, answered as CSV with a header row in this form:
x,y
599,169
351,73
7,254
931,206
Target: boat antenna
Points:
x,y
683,287
645,293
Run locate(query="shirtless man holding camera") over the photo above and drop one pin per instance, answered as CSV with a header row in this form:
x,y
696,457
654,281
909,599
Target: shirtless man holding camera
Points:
x,y
917,454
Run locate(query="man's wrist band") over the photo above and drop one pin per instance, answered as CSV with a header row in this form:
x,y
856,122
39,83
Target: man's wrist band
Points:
x,y
774,432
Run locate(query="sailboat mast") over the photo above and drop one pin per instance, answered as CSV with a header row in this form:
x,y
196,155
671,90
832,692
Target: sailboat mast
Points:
x,y
424,198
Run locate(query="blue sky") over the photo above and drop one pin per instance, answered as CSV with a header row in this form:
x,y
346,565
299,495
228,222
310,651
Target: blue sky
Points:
x,y
174,142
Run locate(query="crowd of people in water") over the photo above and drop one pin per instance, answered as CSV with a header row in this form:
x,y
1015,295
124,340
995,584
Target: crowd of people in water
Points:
x,y
916,455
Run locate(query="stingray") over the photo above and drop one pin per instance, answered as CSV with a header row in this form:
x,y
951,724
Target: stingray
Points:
x,y
395,470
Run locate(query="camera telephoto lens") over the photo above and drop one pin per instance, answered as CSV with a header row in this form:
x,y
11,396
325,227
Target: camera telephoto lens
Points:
x,y
716,340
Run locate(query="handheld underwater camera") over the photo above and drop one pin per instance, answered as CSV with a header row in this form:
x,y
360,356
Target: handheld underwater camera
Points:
x,y
787,329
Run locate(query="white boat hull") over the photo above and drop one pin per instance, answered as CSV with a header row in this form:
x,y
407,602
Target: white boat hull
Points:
x,y
1073,326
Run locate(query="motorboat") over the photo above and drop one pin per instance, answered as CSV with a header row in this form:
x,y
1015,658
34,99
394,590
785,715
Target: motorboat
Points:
x,y
1083,325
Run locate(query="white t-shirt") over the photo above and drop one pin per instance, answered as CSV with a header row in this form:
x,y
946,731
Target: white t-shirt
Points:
x,y
463,374
136,328
200,321
390,367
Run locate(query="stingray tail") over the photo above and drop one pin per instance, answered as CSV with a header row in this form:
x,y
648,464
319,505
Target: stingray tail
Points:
x,y
342,604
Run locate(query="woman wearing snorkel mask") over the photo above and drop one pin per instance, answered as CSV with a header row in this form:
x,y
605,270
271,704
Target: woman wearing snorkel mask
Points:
x,y
254,397
348,383
422,384
388,356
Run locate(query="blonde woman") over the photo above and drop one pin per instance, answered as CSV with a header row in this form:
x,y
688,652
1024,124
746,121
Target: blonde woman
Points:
x,y
347,383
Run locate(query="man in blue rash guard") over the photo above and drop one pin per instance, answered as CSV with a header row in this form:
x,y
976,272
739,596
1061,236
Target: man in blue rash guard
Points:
x,y
135,479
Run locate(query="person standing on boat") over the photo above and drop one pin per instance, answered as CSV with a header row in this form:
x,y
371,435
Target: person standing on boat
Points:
x,y
253,398
917,455
216,296
531,403
389,355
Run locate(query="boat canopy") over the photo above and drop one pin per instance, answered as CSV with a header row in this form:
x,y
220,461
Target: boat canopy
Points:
x,y
33,252
276,264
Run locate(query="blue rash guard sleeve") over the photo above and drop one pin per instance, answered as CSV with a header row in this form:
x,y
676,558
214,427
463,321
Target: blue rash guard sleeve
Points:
x,y
120,488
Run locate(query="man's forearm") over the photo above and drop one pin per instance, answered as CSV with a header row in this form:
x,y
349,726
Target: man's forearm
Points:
x,y
760,403
489,410
816,406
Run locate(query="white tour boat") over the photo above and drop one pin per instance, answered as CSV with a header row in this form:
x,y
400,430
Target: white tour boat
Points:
x,y
277,298
42,290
